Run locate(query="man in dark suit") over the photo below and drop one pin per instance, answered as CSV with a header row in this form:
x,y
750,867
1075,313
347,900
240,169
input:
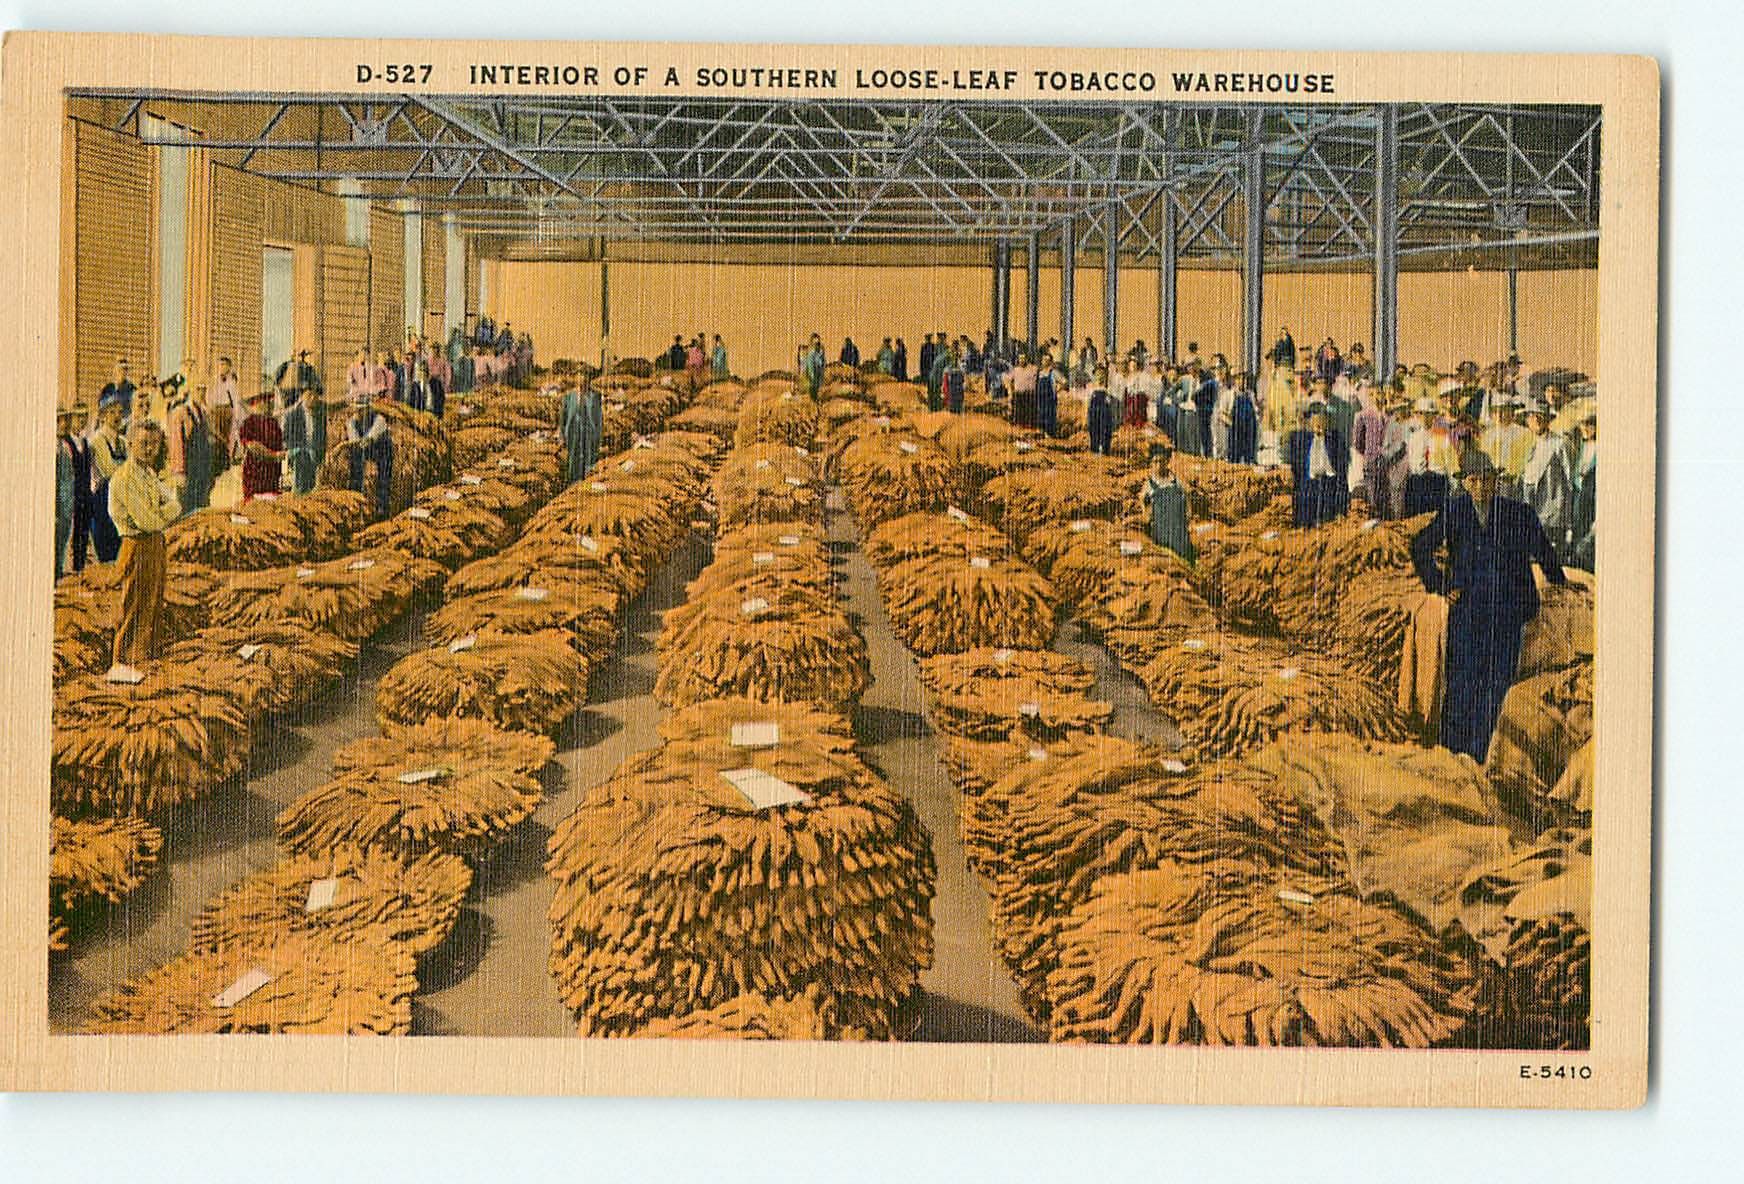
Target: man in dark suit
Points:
x,y
1320,462
1492,543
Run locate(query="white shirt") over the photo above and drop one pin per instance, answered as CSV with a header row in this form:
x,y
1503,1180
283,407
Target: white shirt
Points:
x,y
1319,460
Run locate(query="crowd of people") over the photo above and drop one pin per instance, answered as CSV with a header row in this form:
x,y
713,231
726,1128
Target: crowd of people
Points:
x,y
154,451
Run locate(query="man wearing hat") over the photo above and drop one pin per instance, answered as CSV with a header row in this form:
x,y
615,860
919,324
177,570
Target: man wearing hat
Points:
x,y
260,446
1583,550
371,443
581,419
72,492
1548,479
224,411
1492,543
1167,501
297,431
1509,444
141,505
1428,457
188,436
108,447
1469,395
300,375
1319,459
121,387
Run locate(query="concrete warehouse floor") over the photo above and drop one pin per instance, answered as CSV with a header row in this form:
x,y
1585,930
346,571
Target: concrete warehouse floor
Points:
x,y
490,977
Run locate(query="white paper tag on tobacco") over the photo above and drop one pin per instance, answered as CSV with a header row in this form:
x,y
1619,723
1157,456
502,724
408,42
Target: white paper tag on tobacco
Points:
x,y
360,565
471,479
507,462
908,446
1294,897
1023,446
617,406
533,594
250,982
418,512
802,451
304,573
1194,643
1268,536
1080,525
644,442
588,543
462,644
1288,672
419,776
1002,656
753,606
756,735
882,421
763,557
629,466
796,482
1038,754
125,674
764,790
980,562
241,520
1030,710
761,465
248,651
1172,765
954,512
598,486
788,540
452,495
321,894
1371,524
1202,527
1129,547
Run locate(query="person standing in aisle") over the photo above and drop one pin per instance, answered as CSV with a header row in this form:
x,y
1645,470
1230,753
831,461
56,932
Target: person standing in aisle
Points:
x,y
224,410
1510,445
122,388
1368,433
301,376
1099,415
718,360
927,350
1471,401
189,438
1283,354
886,359
1584,515
955,381
1320,463
695,361
1133,409
1189,428
1428,454
1328,363
66,488
372,443
1022,382
297,433
140,506
1394,443
1244,423
581,419
1164,495
812,366
1492,543
360,379
260,447
108,447
899,362
850,353
1047,397
1548,480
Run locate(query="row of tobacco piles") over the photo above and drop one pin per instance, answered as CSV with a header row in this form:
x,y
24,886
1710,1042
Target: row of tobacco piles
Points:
x,y
752,876
269,608
1304,870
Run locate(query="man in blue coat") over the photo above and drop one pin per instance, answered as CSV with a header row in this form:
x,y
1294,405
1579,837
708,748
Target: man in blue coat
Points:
x,y
1320,462
1492,543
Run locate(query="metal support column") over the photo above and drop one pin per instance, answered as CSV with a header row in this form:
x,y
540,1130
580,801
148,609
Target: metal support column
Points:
x,y
1111,283
1068,283
1253,250
1001,294
606,359
1386,222
1513,312
1167,276
1032,293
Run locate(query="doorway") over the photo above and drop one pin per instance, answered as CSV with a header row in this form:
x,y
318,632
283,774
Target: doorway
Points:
x,y
277,310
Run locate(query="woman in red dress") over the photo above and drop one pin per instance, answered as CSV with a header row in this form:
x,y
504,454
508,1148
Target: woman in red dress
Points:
x,y
260,445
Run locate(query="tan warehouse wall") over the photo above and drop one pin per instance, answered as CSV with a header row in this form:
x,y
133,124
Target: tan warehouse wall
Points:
x,y
764,310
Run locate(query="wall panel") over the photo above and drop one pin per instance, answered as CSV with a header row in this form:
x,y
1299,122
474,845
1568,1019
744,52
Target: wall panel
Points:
x,y
112,258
